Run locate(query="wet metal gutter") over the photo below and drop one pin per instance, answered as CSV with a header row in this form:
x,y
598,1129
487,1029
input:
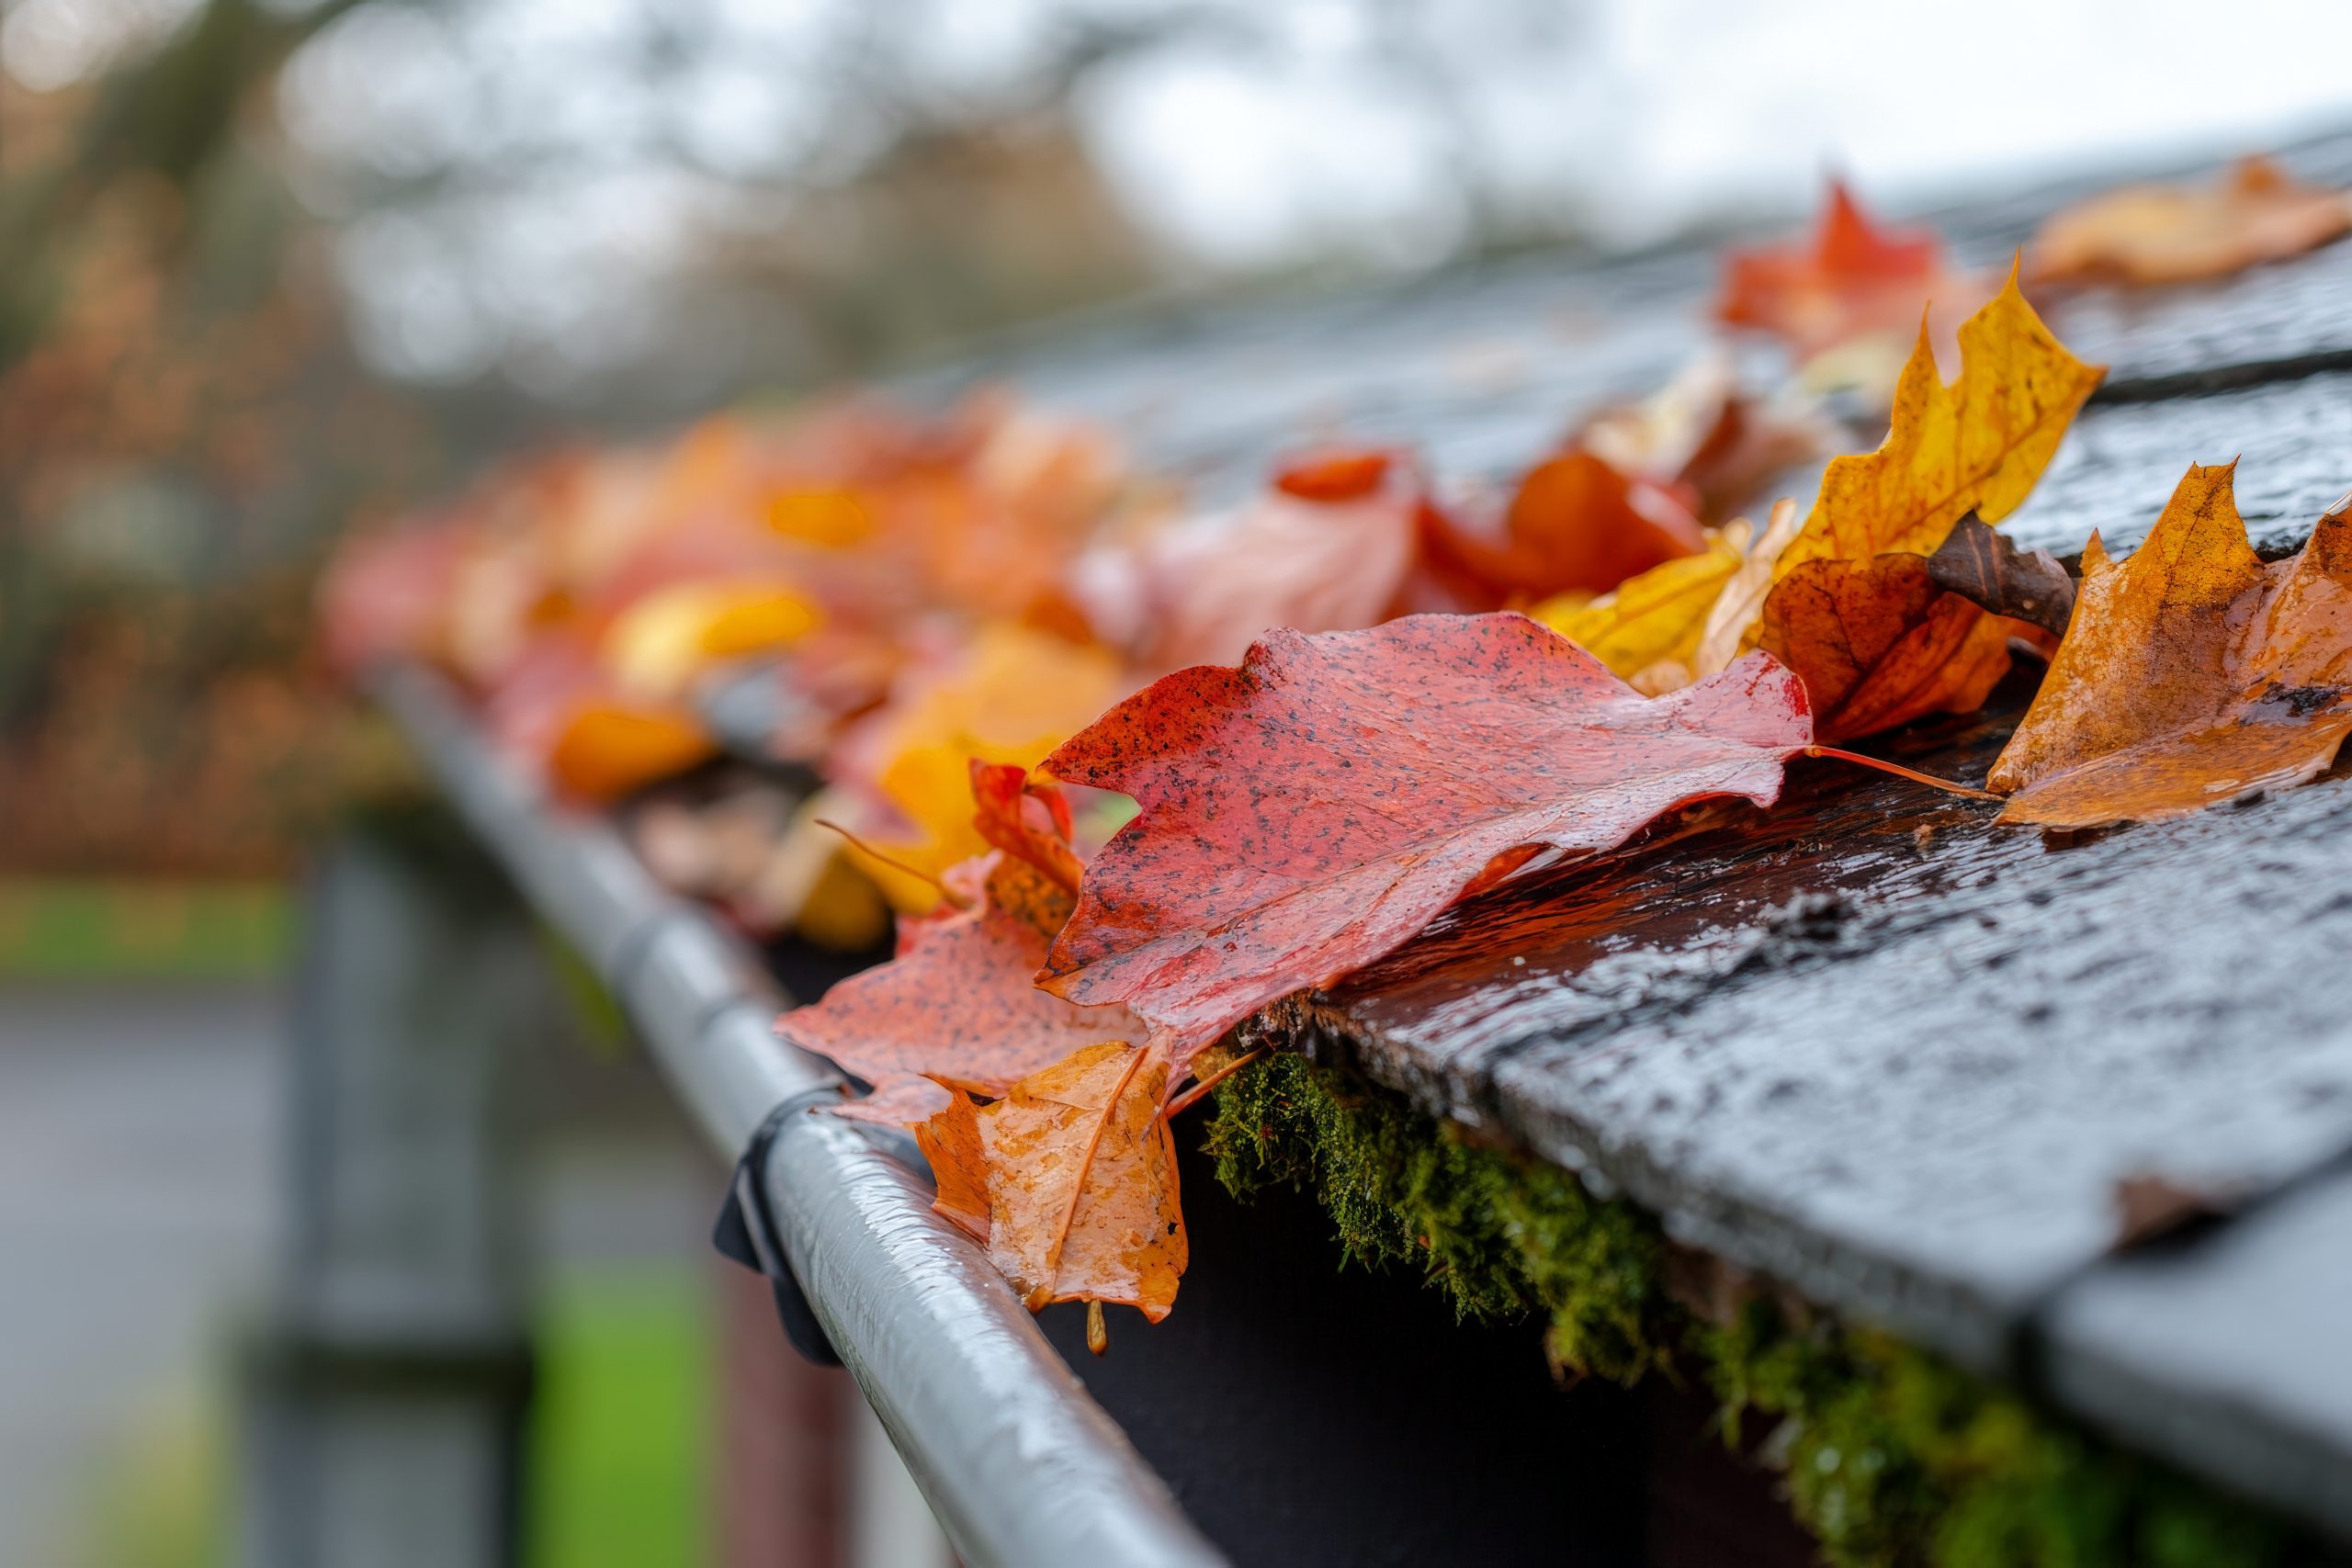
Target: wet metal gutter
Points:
x,y
1021,1467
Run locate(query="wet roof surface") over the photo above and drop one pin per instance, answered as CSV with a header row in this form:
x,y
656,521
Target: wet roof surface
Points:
x,y
1867,1042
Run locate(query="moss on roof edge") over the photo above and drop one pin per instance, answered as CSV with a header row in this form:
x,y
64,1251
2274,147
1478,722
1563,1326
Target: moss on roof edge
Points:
x,y
1892,1456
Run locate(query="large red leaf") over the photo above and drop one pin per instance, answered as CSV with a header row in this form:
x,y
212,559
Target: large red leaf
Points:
x,y
1315,809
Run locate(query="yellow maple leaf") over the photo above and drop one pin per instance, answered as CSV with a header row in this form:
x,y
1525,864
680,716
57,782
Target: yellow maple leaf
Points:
x,y
1976,443
1655,616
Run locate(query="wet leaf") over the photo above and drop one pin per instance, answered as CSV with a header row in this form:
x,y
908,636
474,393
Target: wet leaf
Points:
x,y
1030,822
1069,1180
1985,567
1308,812
2191,674
1977,444
1880,643
2175,234
959,1004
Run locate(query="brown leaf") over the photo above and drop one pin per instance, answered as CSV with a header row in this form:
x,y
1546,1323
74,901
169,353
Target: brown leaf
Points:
x,y
1306,813
1069,1180
2191,674
1985,568
1878,643
2175,234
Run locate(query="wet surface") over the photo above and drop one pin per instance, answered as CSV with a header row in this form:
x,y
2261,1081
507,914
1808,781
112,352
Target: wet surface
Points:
x,y
1894,1054
1867,1042
1482,369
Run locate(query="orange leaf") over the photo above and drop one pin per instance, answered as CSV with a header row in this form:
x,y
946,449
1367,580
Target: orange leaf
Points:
x,y
1575,522
1310,811
1069,1180
605,749
2191,674
1878,643
1340,475
2175,234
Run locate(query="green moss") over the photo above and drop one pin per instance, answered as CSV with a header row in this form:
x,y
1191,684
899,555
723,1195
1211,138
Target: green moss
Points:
x,y
1894,1456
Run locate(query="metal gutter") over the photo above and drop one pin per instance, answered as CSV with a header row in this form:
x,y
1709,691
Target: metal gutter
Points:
x,y
1021,1467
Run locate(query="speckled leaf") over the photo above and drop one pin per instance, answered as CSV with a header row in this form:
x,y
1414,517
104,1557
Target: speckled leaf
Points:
x,y
1069,1180
1306,813
959,1004
2192,673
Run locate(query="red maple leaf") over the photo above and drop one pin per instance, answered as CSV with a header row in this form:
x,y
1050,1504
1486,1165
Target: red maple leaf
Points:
x,y
1310,811
1851,276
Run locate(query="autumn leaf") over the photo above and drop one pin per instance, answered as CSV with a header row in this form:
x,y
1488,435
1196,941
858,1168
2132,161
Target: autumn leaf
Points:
x,y
2177,234
2192,673
1308,812
1009,696
958,1003
1069,1180
1340,474
1652,621
1976,445
1702,434
1575,522
1985,567
657,646
1030,822
1851,277
1328,544
1733,616
1880,643
605,749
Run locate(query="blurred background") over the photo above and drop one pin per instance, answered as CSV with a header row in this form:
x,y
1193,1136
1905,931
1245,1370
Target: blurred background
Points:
x,y
271,270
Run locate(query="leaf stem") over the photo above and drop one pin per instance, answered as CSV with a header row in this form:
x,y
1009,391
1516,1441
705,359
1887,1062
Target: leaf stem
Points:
x,y
1900,771
1097,1334
862,847
1184,1102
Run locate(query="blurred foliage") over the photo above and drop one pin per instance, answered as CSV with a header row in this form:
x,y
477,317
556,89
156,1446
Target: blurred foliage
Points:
x,y
185,426
182,424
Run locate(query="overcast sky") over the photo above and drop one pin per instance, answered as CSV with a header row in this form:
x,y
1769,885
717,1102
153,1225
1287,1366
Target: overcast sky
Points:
x,y
1356,127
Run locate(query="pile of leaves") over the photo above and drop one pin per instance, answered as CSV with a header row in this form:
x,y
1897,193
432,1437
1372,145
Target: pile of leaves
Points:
x,y
1129,771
